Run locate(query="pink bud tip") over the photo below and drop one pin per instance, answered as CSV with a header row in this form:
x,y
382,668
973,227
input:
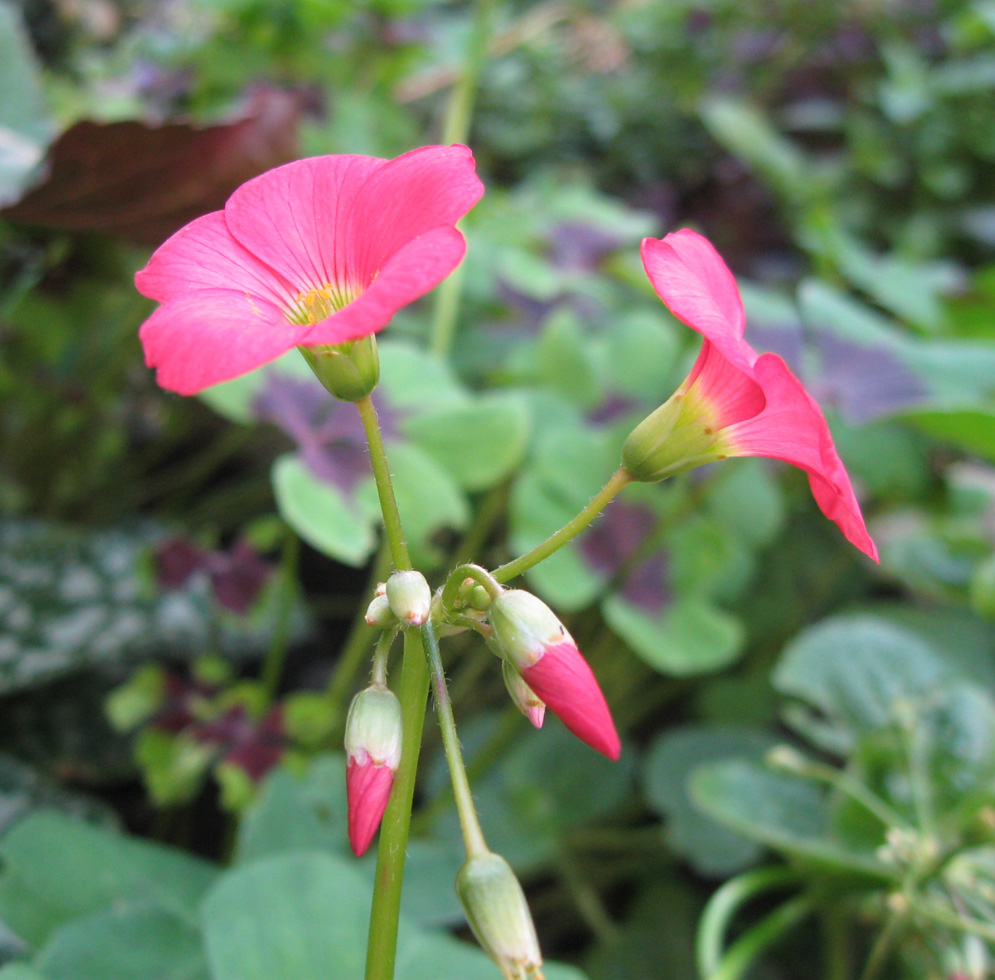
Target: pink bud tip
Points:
x,y
562,679
536,714
368,789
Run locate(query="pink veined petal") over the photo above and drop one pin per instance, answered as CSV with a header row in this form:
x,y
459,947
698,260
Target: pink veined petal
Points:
x,y
698,288
793,428
203,255
367,789
563,679
411,272
212,335
294,218
407,198
730,393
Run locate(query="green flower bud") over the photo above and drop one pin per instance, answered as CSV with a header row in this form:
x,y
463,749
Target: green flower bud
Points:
x,y
349,371
499,916
524,627
379,613
410,597
373,727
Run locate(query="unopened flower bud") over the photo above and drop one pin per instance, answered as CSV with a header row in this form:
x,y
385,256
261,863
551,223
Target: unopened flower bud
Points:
x,y
380,614
373,753
410,597
523,697
529,635
499,916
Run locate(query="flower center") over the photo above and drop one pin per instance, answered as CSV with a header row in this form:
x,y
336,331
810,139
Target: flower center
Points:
x,y
316,305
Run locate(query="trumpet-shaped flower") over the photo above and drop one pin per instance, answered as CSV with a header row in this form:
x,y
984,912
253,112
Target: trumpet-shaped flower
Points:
x,y
322,251
734,402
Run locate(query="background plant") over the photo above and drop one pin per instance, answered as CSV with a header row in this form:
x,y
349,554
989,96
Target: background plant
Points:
x,y
840,158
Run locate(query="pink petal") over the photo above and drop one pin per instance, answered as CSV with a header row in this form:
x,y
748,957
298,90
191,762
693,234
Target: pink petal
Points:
x,y
407,198
793,428
411,272
367,789
698,288
295,218
536,714
212,335
562,678
730,393
203,255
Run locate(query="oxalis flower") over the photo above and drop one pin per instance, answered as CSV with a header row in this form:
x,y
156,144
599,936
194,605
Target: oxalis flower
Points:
x,y
321,251
734,402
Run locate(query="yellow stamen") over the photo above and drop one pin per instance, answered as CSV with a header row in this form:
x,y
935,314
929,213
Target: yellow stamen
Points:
x,y
317,304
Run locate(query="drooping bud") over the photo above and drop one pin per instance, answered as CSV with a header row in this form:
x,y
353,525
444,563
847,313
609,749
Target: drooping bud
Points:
x,y
349,371
379,613
499,916
528,633
523,697
373,753
410,597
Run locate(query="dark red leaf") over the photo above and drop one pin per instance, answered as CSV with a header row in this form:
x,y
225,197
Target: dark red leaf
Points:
x,y
144,182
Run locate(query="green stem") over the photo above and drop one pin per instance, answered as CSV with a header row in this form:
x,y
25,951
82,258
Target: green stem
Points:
x,y
276,655
569,530
384,915
723,906
456,129
752,943
385,489
450,592
473,836
380,654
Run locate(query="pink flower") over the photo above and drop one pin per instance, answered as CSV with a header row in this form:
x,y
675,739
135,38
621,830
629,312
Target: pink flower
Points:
x,y
734,402
537,645
373,753
319,251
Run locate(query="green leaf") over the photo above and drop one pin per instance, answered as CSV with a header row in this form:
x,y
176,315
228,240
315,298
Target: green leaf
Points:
x,y
20,971
416,380
748,499
320,514
25,125
539,792
712,848
563,362
689,637
291,812
972,429
642,351
478,443
783,812
427,497
852,670
56,868
125,942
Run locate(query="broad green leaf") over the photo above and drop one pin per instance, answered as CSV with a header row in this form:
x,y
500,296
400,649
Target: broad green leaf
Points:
x,y
690,636
297,916
712,848
416,380
56,868
479,443
428,499
539,792
642,351
562,360
125,942
297,813
20,971
972,429
305,916
25,126
746,498
782,812
320,514
853,670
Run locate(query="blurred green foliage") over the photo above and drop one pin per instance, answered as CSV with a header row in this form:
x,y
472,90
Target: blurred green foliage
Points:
x,y
842,158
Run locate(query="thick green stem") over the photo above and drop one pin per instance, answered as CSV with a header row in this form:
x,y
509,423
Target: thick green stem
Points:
x,y
570,530
386,910
382,945
473,836
381,473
